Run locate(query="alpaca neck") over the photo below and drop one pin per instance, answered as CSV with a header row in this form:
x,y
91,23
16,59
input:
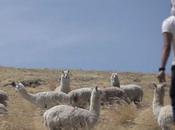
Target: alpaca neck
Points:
x,y
27,96
95,106
65,86
115,83
157,104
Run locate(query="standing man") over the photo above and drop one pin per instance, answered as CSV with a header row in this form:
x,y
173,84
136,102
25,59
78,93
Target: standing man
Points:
x,y
168,32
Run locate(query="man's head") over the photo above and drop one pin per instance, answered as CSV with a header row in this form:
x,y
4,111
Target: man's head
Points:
x,y
173,7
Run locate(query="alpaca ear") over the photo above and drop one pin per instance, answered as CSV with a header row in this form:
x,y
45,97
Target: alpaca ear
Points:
x,y
67,72
96,88
154,85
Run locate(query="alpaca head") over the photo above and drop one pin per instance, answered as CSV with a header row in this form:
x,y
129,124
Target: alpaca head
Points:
x,y
95,94
114,79
65,76
159,91
66,72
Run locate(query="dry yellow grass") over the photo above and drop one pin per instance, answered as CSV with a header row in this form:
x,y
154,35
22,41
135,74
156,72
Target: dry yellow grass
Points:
x,y
25,116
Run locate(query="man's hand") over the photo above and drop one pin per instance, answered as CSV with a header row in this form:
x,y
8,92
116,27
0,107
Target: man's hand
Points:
x,y
161,76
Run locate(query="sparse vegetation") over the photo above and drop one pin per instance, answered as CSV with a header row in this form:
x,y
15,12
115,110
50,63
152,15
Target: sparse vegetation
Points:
x,y
22,115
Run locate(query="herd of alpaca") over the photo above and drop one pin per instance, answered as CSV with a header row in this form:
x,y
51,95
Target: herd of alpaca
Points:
x,y
67,109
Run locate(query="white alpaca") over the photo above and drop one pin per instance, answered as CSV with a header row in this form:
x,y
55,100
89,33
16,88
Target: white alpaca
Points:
x,y
64,82
43,99
133,91
163,114
3,97
115,80
113,94
80,97
64,117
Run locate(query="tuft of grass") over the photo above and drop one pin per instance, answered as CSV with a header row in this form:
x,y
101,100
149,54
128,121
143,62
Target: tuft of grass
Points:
x,y
52,84
116,117
145,120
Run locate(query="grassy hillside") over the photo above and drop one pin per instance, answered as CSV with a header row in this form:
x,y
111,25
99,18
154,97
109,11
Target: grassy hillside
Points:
x,y
25,116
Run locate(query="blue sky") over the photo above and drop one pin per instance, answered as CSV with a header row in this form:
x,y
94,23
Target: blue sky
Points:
x,y
83,34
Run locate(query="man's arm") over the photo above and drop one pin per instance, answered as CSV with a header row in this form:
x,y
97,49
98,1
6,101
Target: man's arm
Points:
x,y
167,38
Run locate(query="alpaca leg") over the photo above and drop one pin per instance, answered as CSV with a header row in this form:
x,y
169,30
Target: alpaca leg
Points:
x,y
126,99
137,103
